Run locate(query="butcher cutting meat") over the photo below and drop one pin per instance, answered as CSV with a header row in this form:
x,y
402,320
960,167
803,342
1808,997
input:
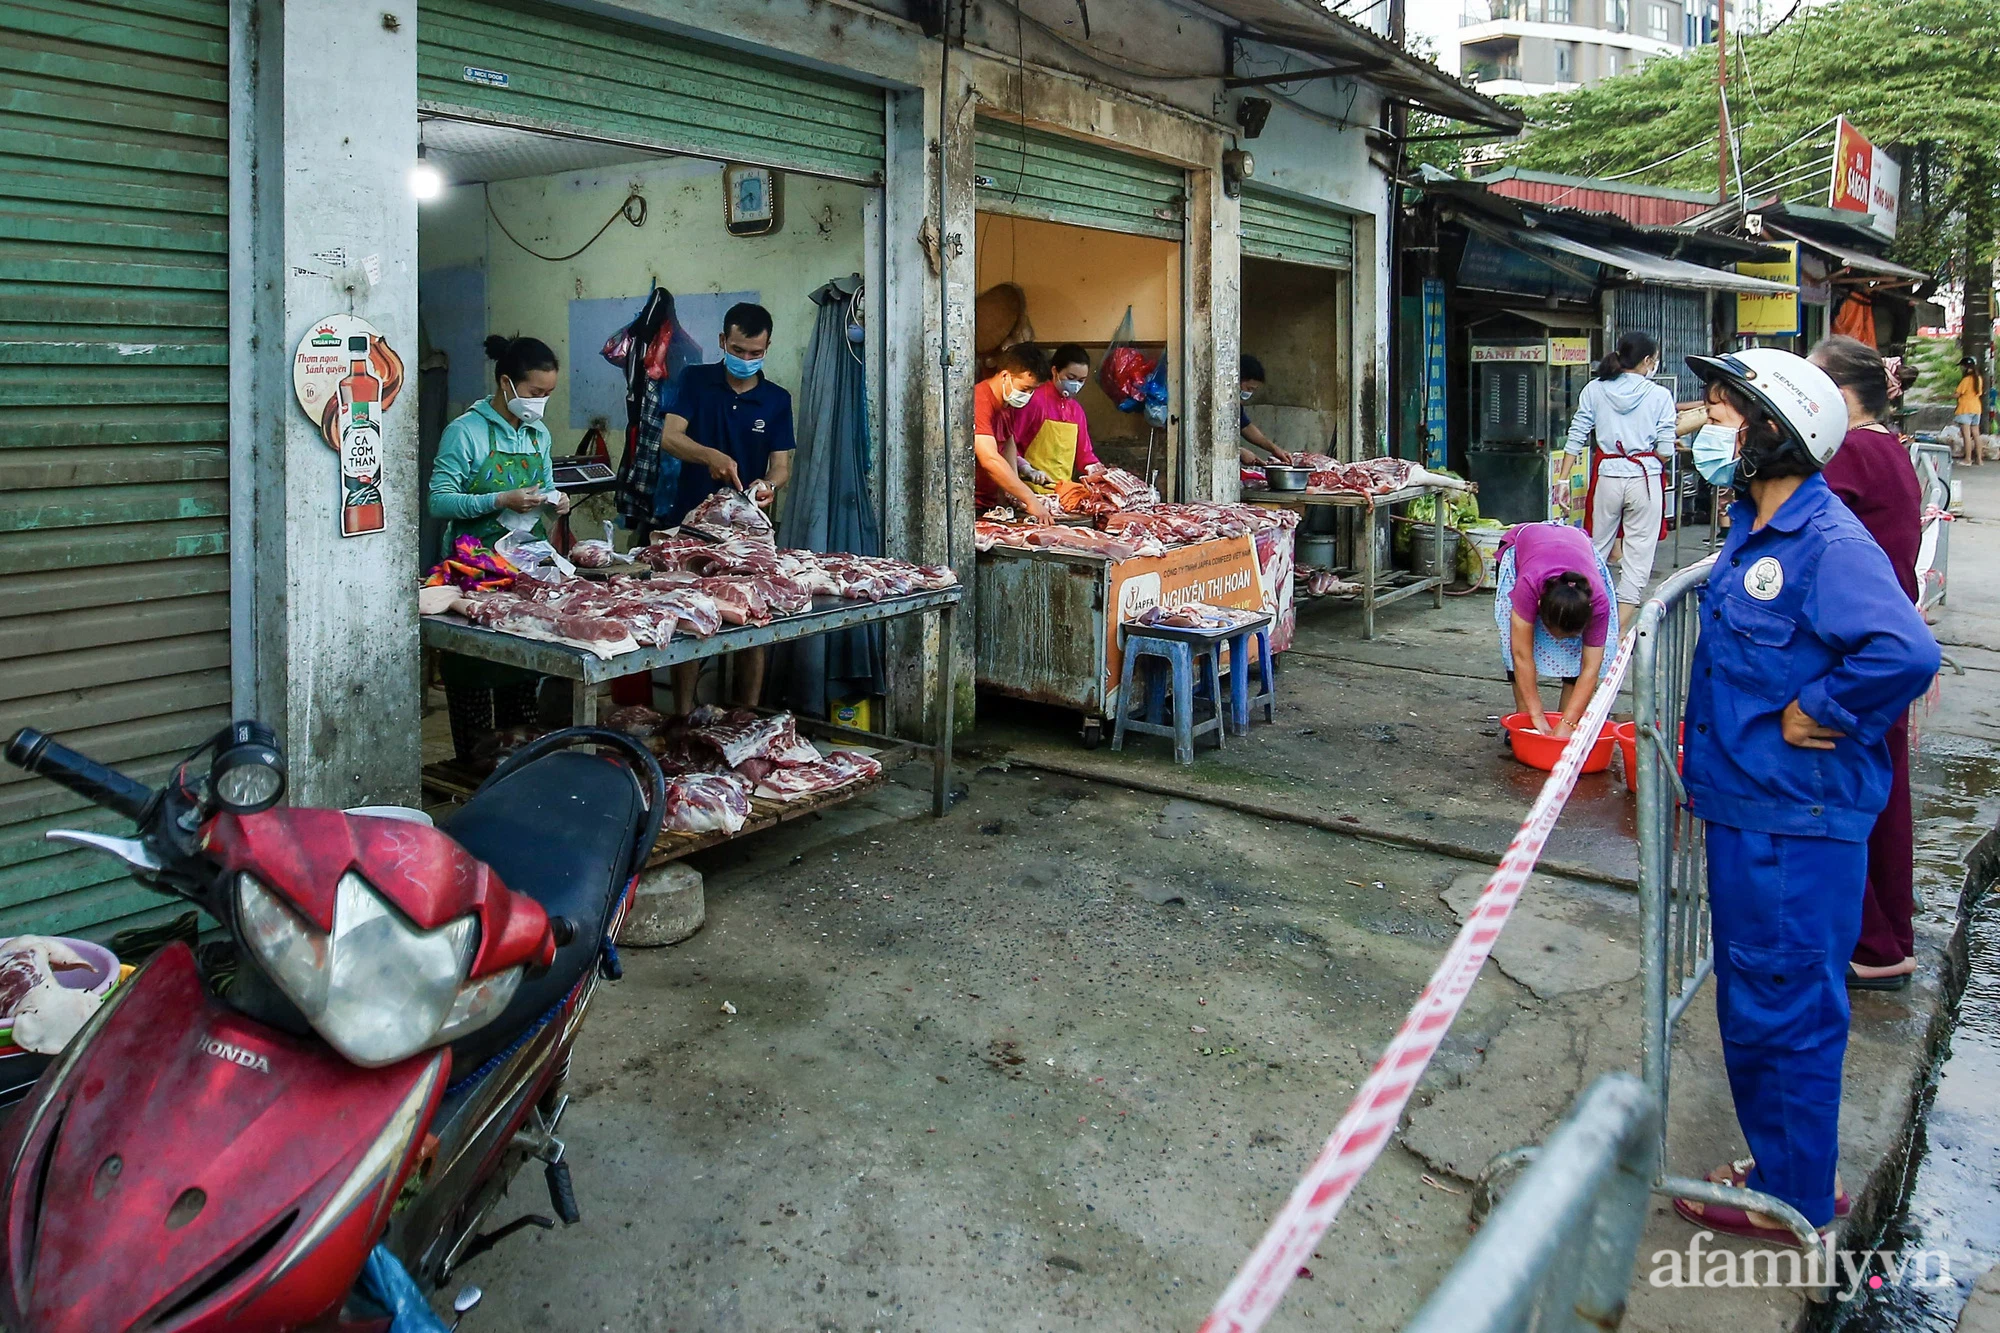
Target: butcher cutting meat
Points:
x,y
728,418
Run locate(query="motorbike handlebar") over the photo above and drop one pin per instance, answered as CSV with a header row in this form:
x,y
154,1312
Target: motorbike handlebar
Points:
x,y
35,752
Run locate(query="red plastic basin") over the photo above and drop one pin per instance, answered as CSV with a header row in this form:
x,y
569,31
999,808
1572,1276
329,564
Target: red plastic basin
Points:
x,y
1536,750
1628,747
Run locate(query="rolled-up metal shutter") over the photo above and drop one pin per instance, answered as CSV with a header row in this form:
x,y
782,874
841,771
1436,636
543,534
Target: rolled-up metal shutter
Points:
x,y
566,72
1277,226
1677,321
114,305
1029,173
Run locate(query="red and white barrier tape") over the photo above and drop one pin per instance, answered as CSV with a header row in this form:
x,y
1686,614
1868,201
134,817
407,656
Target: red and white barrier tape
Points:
x,y
1377,1107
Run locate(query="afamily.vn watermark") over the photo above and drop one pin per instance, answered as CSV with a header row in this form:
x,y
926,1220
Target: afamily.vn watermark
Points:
x,y
1702,1264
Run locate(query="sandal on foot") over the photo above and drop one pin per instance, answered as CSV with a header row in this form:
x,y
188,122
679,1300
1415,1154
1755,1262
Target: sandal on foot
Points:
x,y
1737,1173
1731,1222
1898,981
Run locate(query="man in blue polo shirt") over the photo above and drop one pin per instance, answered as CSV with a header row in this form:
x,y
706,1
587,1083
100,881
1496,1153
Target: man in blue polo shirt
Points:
x,y
736,426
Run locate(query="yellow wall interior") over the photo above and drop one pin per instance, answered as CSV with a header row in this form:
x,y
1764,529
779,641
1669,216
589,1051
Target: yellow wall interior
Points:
x,y
1078,282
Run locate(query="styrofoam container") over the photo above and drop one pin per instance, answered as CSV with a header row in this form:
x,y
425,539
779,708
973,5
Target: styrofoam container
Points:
x,y
1486,541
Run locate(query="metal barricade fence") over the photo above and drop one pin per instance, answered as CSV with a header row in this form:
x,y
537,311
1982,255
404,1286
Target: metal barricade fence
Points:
x,y
1557,1255
1675,943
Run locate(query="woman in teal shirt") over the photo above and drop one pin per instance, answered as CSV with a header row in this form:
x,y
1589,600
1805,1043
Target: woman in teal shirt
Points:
x,y
493,459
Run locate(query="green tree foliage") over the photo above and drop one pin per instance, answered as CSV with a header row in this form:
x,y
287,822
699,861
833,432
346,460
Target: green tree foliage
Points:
x,y
1919,76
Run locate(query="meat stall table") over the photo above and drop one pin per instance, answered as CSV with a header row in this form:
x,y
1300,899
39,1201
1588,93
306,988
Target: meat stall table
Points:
x,y
451,634
1046,620
1374,510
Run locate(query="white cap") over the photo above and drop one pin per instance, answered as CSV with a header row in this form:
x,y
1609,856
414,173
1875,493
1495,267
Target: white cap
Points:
x,y
1798,394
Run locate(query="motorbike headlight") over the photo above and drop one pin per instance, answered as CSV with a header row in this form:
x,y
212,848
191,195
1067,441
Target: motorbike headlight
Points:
x,y
376,987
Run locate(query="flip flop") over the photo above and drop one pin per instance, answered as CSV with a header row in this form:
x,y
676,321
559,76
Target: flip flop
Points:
x,y
1732,1222
1855,981
1737,1173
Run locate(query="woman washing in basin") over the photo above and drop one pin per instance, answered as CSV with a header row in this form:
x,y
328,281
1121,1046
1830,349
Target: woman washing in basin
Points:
x,y
1552,603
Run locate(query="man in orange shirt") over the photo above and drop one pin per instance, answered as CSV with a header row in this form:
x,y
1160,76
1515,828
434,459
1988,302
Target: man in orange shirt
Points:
x,y
1017,371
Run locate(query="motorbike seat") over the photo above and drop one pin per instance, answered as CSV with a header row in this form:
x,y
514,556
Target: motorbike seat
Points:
x,y
560,830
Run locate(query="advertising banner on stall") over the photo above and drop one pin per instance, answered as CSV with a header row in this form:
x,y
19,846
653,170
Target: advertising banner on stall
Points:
x,y
1434,395
1569,351
1224,572
1773,314
1865,179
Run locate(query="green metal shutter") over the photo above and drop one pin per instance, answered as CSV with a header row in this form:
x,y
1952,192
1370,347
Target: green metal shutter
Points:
x,y
1028,173
114,305
1278,227
573,73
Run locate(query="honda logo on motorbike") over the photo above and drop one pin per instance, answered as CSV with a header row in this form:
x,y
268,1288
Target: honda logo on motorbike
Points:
x,y
236,1055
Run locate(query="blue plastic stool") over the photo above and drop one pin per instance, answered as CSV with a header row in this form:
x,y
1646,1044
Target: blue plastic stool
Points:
x,y
1173,666
1241,701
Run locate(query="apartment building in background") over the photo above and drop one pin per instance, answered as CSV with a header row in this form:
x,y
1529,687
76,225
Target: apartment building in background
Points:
x,y
1527,47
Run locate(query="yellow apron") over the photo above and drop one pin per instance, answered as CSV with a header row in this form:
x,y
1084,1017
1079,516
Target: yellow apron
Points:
x,y
1053,451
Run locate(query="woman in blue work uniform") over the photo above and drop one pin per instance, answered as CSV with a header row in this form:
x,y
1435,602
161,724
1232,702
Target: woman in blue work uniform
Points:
x,y
1809,652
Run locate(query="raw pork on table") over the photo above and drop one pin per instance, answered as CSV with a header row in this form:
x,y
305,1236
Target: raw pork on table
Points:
x,y
742,735
729,515
837,770
707,803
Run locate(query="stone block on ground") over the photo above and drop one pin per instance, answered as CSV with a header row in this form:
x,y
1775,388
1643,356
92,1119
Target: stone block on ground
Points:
x,y
667,908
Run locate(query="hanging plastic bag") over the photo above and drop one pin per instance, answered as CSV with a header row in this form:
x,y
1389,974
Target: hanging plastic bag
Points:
x,y
1123,373
1155,392
617,347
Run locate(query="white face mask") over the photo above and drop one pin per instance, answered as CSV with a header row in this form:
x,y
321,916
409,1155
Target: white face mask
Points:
x,y
528,409
1020,397
1244,395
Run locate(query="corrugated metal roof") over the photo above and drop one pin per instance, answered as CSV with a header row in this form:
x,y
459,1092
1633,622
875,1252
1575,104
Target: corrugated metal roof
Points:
x,y
1311,28
1635,207
1705,199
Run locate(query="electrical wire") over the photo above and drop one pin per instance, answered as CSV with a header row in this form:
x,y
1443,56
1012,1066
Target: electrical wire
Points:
x,y
633,210
1137,70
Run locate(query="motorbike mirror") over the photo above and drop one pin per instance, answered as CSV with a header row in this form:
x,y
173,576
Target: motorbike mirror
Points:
x,y
468,1296
248,774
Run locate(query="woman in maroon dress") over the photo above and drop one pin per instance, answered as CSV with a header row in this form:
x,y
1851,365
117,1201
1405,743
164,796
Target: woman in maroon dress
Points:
x,y
1872,472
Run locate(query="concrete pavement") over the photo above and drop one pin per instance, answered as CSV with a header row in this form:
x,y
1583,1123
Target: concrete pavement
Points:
x,y
1054,1060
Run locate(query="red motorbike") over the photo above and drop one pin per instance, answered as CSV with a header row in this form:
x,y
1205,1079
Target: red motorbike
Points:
x,y
253,1142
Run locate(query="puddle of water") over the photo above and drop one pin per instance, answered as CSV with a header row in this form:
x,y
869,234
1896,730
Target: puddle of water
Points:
x,y
1953,1209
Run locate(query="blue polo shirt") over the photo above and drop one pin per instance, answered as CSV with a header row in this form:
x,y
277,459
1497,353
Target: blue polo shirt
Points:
x,y
748,426
1808,608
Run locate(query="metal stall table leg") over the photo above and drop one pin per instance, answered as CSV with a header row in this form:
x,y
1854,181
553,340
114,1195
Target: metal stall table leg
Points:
x,y
582,701
941,745
1443,574
1365,530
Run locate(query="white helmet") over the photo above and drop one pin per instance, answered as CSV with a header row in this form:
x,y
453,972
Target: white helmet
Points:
x,y
1798,394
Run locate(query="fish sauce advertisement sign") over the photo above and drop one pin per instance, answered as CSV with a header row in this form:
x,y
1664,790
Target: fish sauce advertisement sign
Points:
x,y
1224,572
346,376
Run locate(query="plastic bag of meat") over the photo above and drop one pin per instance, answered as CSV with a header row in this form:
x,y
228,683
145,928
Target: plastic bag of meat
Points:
x,y
729,515
707,803
591,555
44,1013
835,771
27,961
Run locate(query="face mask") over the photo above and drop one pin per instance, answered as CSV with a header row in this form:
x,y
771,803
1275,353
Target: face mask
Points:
x,y
1244,395
1020,397
1069,388
741,369
528,409
1715,454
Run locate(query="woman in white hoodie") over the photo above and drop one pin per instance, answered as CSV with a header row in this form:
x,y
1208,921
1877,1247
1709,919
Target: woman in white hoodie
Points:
x,y
1634,422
